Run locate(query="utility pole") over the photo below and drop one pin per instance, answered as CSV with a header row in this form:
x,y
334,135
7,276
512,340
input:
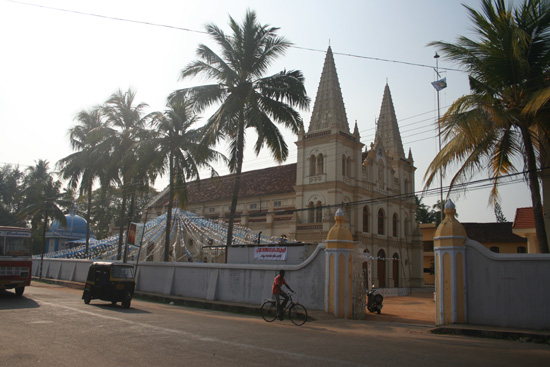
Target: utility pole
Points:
x,y
438,88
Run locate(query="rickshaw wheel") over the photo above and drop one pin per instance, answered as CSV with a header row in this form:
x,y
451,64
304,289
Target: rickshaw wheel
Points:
x,y
126,303
113,303
87,297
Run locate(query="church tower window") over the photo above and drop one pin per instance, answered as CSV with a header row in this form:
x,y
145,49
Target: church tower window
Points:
x,y
395,225
319,212
310,213
344,165
365,218
381,221
312,161
320,164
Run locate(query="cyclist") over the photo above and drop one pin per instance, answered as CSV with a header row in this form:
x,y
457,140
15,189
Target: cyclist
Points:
x,y
278,282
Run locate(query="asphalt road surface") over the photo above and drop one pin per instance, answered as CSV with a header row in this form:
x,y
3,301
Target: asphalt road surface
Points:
x,y
51,326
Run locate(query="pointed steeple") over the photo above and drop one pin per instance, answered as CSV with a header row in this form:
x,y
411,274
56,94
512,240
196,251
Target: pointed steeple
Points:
x,y
387,130
328,110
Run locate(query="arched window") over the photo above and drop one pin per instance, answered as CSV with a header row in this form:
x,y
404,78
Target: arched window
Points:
x,y
395,224
344,165
494,249
319,212
312,165
521,250
365,218
381,221
310,213
381,265
348,166
320,163
381,182
407,226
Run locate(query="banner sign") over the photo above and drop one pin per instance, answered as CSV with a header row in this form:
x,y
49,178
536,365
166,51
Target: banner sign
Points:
x,y
135,234
270,253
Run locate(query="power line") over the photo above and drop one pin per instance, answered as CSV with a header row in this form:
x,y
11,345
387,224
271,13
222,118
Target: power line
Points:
x,y
203,32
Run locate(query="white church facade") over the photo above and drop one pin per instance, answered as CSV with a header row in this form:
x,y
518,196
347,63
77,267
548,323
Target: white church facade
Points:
x,y
374,187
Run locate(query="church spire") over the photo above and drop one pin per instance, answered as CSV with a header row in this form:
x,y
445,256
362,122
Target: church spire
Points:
x,y
387,130
328,110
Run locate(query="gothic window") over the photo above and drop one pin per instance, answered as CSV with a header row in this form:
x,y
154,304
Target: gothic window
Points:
x,y
320,163
312,165
310,213
380,221
407,226
406,187
319,212
381,175
344,165
365,218
349,167
395,225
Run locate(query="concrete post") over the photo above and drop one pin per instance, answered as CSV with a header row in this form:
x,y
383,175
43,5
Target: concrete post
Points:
x,y
450,275
339,266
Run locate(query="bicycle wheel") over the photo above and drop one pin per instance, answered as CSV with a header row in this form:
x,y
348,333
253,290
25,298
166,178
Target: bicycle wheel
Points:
x,y
298,314
269,311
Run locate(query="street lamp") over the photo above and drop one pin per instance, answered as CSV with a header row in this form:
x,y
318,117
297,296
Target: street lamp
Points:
x,y
439,84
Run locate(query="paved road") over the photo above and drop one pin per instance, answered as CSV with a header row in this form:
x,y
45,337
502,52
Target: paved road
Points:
x,y
51,326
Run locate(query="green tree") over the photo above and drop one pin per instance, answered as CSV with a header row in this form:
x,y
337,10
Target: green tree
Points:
x,y
502,120
86,164
11,185
42,201
499,215
179,151
125,166
247,99
423,212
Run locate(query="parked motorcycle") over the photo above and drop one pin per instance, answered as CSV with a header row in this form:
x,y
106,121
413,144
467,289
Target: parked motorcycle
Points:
x,y
374,301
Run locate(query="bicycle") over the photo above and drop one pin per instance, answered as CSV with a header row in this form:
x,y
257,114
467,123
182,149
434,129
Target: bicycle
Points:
x,y
297,313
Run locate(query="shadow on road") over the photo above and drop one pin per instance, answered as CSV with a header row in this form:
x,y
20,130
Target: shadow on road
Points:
x,y
9,300
116,308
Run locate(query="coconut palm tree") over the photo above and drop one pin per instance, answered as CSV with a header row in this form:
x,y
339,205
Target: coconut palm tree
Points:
x,y
178,150
245,97
502,120
127,125
42,201
85,165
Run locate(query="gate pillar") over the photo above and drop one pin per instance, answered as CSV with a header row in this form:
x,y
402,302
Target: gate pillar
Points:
x,y
339,259
450,275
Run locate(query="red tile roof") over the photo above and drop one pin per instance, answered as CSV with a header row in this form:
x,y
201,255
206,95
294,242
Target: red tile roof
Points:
x,y
525,218
492,232
267,181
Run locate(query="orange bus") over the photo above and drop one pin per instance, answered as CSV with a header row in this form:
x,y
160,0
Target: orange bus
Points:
x,y
15,258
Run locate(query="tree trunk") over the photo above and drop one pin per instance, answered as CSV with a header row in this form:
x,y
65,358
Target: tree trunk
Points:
x,y
170,205
535,191
43,243
88,215
236,187
121,224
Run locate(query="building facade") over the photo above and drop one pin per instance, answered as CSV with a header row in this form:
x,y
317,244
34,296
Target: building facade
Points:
x,y
373,186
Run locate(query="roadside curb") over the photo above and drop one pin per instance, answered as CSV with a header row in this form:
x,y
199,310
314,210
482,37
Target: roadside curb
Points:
x,y
491,333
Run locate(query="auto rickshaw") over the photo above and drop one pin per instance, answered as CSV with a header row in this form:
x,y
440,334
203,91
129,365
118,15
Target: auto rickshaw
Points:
x,y
112,282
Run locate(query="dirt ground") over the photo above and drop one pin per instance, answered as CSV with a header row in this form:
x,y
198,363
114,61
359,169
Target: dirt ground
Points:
x,y
416,308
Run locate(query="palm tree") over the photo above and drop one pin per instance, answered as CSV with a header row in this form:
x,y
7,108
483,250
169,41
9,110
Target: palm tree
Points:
x,y
246,98
502,119
85,165
179,150
42,198
127,124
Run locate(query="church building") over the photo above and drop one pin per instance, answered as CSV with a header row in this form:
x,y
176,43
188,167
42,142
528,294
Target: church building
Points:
x,y
373,186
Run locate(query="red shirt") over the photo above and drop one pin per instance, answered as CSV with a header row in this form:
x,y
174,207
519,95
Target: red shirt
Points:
x,y
277,283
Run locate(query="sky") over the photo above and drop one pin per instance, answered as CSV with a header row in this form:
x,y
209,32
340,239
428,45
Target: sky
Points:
x,y
56,63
